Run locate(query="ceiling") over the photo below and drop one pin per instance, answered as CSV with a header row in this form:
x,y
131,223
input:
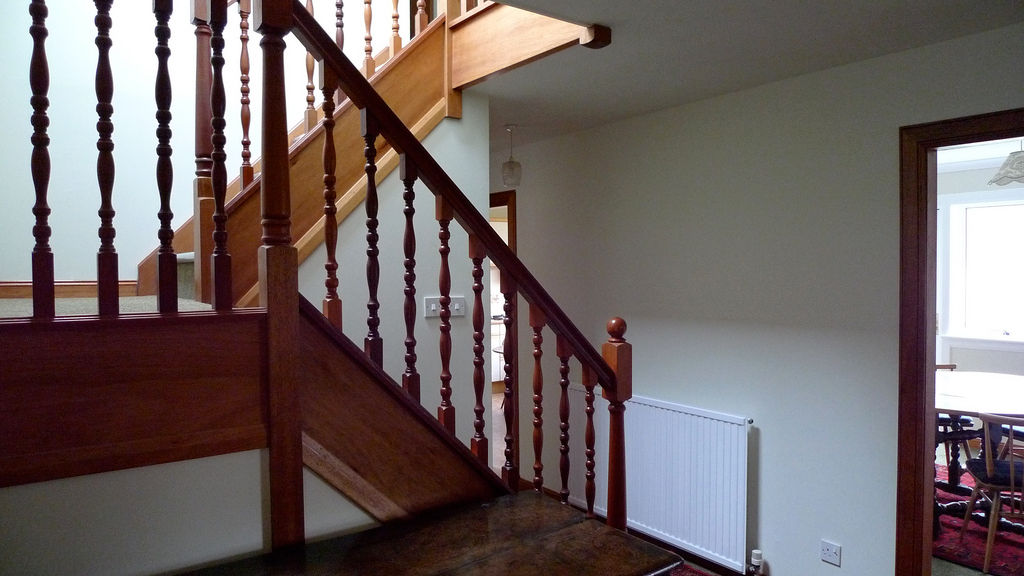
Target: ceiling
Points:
x,y
669,52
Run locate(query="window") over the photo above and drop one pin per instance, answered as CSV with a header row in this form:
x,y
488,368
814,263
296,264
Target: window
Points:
x,y
981,265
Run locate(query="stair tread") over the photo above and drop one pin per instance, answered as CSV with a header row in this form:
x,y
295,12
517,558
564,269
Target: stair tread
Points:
x,y
524,534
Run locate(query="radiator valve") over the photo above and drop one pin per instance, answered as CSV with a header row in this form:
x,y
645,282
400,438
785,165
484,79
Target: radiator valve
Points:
x,y
756,566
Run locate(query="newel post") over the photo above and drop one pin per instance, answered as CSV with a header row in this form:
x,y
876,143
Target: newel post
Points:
x,y
618,354
278,275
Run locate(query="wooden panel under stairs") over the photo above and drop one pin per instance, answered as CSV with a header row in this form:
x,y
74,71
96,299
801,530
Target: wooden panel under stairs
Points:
x,y
368,439
526,534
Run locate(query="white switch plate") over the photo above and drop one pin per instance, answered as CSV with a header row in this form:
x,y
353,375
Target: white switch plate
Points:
x,y
831,552
432,306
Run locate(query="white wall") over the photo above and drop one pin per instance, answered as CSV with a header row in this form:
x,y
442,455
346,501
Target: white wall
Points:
x,y
154,519
751,241
73,191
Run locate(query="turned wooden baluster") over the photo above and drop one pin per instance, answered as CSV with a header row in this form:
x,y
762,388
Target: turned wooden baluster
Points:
x,y
564,352
167,262
309,118
39,80
589,436
478,444
445,412
339,31
618,354
510,470
369,65
339,37
202,218
537,322
106,258
373,345
220,261
246,169
396,41
422,18
332,303
410,378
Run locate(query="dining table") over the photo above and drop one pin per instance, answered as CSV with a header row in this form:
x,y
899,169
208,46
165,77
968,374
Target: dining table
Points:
x,y
971,394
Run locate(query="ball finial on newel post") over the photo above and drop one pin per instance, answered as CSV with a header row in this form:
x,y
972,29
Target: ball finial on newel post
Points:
x,y
616,329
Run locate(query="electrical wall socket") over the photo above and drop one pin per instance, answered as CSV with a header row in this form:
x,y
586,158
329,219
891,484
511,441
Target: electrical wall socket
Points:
x,y
831,552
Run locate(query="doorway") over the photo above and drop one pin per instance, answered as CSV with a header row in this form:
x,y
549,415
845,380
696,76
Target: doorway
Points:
x,y
502,217
916,429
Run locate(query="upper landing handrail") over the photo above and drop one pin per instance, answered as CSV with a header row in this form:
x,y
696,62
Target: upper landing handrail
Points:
x,y
359,91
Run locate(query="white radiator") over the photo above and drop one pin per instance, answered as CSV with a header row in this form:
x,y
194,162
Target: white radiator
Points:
x,y
686,474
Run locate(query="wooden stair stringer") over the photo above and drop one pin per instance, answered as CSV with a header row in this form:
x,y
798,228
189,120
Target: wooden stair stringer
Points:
x,y
363,434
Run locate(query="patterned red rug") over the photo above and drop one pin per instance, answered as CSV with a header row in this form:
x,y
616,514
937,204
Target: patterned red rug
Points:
x,y
1007,552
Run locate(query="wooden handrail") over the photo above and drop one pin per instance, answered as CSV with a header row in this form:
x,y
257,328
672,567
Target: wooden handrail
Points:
x,y
359,91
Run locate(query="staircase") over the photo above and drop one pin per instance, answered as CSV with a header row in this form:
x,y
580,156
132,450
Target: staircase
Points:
x,y
93,394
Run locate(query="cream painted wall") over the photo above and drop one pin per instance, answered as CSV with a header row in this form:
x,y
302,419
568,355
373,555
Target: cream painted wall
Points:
x,y
154,519
751,241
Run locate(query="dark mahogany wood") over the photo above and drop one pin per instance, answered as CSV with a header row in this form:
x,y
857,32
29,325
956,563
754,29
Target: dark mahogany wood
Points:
x,y
310,86
128,409
339,29
510,470
445,412
369,65
537,322
220,261
246,170
39,81
589,436
332,307
410,377
106,257
373,344
915,499
167,262
618,354
564,352
478,444
279,287
204,88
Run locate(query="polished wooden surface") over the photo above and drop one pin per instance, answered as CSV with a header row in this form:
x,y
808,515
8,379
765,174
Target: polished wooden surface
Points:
x,y
537,322
478,444
445,412
524,535
167,261
498,38
410,376
39,81
106,256
150,395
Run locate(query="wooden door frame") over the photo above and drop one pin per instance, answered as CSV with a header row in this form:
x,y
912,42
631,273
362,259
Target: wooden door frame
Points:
x,y
507,198
916,429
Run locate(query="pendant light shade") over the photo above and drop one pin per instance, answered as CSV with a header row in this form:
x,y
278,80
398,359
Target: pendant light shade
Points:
x,y
511,171
1012,170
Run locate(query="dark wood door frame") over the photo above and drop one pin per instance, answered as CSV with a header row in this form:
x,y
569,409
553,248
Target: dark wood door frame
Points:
x,y
916,431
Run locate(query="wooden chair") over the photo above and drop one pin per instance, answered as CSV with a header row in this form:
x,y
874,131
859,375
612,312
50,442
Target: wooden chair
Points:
x,y
951,428
998,478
